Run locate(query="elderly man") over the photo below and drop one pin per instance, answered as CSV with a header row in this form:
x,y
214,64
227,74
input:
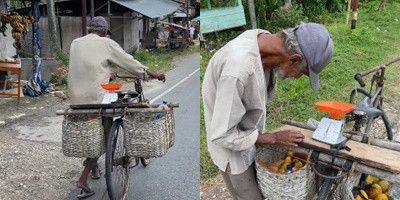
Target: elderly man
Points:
x,y
91,62
237,84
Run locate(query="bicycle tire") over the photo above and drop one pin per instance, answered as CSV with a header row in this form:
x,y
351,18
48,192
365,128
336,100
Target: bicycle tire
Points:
x,y
389,131
117,164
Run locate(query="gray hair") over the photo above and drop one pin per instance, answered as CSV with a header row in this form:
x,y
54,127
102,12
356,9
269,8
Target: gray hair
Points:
x,y
95,29
293,46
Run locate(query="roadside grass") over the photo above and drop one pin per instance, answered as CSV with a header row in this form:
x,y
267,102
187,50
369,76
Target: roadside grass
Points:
x,y
161,59
375,41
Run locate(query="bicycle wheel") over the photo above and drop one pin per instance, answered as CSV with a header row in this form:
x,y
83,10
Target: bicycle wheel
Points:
x,y
117,163
370,121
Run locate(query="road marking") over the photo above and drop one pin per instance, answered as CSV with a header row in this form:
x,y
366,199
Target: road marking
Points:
x,y
173,87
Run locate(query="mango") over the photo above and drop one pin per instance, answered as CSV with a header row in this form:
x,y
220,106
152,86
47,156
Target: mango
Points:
x,y
384,185
364,194
290,153
371,180
358,197
381,197
375,190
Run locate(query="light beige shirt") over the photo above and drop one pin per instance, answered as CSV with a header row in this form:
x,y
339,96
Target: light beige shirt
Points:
x,y
235,92
90,64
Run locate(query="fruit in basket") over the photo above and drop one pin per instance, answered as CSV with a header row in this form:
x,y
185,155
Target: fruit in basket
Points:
x,y
283,166
384,185
371,180
280,166
298,164
363,194
290,153
262,164
375,190
274,167
358,197
381,197
288,159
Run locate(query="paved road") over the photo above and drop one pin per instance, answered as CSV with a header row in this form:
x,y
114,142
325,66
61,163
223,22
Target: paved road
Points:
x,y
175,175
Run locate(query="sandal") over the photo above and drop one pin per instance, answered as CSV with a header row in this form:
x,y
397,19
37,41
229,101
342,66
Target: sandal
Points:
x,y
85,192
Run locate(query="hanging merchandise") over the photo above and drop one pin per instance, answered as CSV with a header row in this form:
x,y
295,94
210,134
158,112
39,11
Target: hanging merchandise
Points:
x,y
36,85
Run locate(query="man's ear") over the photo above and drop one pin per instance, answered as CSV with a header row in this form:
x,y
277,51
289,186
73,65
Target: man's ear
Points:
x,y
296,59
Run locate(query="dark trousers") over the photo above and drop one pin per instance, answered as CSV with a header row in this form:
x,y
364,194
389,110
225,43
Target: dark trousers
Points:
x,y
107,123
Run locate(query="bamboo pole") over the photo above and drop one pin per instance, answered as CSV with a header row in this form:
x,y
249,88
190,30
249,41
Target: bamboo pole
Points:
x,y
152,109
375,142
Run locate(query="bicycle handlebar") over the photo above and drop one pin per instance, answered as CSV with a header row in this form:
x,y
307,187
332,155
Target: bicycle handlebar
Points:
x,y
358,78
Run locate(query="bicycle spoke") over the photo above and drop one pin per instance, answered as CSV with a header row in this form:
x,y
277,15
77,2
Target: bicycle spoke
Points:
x,y
120,166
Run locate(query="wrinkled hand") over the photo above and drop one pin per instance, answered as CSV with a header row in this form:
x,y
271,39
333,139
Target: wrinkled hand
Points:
x,y
160,77
288,137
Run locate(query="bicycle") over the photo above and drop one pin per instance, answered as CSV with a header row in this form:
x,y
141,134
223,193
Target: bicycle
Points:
x,y
367,109
117,162
372,98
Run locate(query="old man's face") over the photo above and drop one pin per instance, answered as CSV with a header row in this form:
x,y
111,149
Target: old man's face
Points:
x,y
291,67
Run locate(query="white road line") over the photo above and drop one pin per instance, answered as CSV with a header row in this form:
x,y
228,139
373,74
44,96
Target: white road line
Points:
x,y
174,86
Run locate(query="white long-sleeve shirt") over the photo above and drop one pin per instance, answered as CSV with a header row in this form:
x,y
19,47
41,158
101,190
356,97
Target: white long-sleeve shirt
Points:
x,y
90,64
235,92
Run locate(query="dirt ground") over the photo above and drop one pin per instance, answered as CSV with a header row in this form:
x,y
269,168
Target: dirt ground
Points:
x,y
23,174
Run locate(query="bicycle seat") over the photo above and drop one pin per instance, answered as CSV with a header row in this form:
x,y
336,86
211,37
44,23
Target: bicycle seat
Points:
x,y
364,107
127,94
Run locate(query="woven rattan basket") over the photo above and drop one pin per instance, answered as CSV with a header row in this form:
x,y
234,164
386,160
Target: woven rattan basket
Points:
x,y
149,137
298,185
345,186
82,136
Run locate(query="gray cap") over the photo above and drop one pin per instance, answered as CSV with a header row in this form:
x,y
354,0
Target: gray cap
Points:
x,y
317,48
99,23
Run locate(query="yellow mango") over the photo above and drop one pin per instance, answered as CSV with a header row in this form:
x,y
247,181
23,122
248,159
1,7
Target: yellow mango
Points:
x,y
364,194
375,190
371,180
288,160
290,153
384,185
381,197
358,197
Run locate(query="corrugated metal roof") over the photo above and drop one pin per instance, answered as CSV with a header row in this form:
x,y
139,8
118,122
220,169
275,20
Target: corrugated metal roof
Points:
x,y
213,20
150,8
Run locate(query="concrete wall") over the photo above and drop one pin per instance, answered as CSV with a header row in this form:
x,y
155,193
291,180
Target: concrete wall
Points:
x,y
26,43
71,29
6,44
117,29
133,31
48,67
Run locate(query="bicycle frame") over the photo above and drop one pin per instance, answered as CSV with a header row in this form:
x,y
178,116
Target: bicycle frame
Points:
x,y
377,80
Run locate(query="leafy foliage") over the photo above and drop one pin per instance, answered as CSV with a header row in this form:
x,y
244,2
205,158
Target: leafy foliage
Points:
x,y
283,18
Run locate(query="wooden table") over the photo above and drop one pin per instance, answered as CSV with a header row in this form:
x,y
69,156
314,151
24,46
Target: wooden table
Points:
x,y
16,69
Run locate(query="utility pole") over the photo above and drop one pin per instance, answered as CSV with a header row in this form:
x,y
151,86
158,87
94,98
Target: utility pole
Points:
x,y
252,12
